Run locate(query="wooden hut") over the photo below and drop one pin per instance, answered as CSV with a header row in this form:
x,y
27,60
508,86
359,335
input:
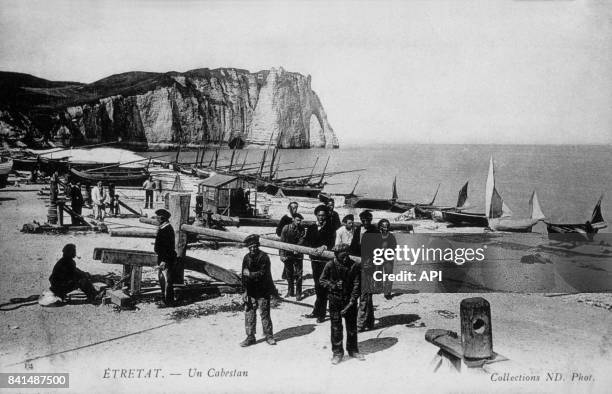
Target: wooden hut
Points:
x,y
226,195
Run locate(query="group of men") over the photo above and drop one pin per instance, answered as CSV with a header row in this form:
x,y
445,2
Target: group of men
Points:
x,y
326,233
101,199
337,281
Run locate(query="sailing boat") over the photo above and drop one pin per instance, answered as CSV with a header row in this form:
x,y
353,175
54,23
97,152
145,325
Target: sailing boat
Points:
x,y
430,211
596,223
403,206
373,203
498,213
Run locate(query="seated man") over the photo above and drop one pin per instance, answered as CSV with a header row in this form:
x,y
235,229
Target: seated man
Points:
x,y
66,277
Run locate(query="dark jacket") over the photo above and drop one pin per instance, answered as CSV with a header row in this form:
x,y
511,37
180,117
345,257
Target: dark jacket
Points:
x,y
285,220
164,244
64,276
315,238
293,235
343,282
76,197
334,218
355,249
259,284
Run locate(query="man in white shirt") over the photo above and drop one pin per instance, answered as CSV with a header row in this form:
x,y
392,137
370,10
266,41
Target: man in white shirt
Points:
x,y
344,235
98,197
149,187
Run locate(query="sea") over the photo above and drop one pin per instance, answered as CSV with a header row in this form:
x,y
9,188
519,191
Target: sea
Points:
x,y
569,179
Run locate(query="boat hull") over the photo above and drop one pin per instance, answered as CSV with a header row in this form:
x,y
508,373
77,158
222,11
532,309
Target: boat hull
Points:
x,y
128,177
465,219
553,228
512,225
369,203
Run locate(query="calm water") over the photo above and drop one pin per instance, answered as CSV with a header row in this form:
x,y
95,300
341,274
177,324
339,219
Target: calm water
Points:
x,y
568,179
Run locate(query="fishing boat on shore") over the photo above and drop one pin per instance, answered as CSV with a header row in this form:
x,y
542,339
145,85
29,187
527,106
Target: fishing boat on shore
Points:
x,y
465,219
591,226
372,203
431,211
6,166
119,176
499,215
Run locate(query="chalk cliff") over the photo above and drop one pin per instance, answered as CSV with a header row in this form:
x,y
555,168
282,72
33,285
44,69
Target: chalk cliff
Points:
x,y
224,106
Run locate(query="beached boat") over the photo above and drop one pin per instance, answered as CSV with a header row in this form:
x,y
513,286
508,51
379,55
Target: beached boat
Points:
x,y
120,176
467,219
419,208
374,203
521,225
499,215
6,165
591,226
430,211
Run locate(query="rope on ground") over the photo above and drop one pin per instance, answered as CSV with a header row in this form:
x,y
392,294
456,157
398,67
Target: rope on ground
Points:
x,y
90,345
24,301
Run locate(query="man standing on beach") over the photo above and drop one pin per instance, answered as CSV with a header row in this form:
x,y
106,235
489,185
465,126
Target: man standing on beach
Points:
x,y
365,318
341,277
149,187
293,233
98,197
258,289
288,218
66,277
319,235
76,201
166,256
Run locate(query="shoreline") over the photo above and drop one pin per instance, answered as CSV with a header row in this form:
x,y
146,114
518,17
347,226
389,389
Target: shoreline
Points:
x,y
65,339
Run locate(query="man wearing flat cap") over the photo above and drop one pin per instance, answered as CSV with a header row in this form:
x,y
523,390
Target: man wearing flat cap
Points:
x,y
258,288
321,236
166,256
293,233
342,277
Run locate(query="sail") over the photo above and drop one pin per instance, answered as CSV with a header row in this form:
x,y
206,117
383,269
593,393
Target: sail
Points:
x,y
394,189
597,220
463,195
534,205
497,207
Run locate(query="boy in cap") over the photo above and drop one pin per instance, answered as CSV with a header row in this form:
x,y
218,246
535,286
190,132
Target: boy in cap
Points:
x,y
342,277
258,288
166,255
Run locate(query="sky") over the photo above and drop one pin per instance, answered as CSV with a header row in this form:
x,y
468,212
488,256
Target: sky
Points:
x,y
491,71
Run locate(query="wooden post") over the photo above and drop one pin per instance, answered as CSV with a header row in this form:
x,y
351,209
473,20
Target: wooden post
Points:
x,y
60,211
476,333
135,280
178,205
52,211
